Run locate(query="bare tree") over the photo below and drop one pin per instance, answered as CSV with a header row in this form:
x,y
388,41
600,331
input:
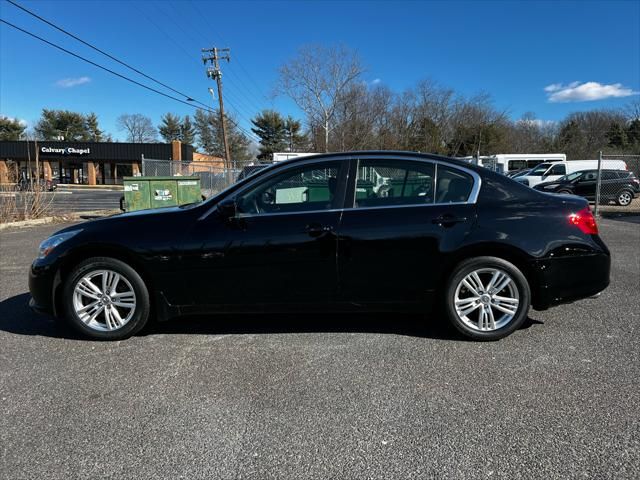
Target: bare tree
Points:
x,y
316,79
139,128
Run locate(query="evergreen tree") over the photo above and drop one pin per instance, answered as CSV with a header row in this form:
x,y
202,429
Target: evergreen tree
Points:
x,y
187,131
269,126
210,139
617,136
62,124
633,132
95,134
11,129
170,128
296,140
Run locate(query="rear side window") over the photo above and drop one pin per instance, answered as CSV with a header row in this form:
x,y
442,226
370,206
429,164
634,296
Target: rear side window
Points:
x,y
610,176
394,182
453,185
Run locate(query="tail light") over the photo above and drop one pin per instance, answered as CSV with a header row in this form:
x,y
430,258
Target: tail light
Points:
x,y
585,221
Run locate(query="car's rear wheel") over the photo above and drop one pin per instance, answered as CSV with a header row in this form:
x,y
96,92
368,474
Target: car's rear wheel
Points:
x,y
624,198
487,298
565,192
106,299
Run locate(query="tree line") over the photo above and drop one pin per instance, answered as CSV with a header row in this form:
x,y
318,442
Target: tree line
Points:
x,y
344,113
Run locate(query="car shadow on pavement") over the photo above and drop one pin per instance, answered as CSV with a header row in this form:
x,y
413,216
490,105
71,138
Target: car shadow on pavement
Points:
x,y
629,217
16,317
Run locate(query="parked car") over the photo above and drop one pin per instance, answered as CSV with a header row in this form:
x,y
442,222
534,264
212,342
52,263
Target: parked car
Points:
x,y
618,186
336,232
519,173
552,171
43,185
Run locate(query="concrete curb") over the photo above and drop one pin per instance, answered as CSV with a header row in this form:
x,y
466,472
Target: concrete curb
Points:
x,y
80,187
57,219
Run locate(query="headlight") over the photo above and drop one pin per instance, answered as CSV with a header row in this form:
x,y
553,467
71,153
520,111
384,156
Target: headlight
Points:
x,y
53,241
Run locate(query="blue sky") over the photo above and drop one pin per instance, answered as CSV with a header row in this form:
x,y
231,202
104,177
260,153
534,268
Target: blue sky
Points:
x,y
585,54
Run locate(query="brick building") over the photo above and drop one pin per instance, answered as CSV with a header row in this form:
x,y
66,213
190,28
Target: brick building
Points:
x,y
91,163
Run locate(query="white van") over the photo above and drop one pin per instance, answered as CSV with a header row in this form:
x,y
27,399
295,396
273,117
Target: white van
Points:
x,y
550,171
510,162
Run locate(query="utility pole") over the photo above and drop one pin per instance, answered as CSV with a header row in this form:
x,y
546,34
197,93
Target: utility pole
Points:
x,y
213,55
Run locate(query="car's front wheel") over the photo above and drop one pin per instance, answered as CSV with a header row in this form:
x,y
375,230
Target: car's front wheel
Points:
x,y
487,298
106,299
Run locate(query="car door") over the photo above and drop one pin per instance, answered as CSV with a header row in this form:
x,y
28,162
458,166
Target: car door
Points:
x,y
279,246
586,184
403,217
554,173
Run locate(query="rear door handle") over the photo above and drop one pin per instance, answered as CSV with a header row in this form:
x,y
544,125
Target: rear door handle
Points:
x,y
316,229
448,220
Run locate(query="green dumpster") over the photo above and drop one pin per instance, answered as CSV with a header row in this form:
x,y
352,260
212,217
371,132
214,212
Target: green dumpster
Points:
x,y
141,193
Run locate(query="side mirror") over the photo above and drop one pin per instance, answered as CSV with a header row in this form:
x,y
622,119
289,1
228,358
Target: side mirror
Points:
x,y
227,208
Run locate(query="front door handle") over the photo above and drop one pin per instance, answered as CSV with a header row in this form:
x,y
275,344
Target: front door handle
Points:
x,y
317,230
448,220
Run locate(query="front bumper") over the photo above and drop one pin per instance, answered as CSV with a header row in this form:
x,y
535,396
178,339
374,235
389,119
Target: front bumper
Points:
x,y
42,285
570,278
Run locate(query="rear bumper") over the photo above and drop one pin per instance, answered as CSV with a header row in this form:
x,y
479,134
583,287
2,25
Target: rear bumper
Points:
x,y
570,278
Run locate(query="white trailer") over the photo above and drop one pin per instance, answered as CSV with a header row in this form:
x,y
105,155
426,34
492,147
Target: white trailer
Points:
x,y
282,156
509,162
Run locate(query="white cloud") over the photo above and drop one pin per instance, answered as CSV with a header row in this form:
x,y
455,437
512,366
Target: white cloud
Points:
x,y
586,92
72,82
375,81
537,122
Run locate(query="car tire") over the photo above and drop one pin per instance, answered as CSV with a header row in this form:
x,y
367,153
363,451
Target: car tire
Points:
x,y
564,192
624,198
474,306
106,299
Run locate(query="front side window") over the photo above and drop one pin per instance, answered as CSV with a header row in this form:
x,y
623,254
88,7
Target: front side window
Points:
x,y
558,170
381,183
311,187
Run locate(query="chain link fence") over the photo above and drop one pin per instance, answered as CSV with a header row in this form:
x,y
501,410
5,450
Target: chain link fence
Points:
x,y
617,184
213,177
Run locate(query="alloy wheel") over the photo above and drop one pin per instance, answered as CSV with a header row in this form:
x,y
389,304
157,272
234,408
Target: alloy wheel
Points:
x,y
486,299
104,300
624,199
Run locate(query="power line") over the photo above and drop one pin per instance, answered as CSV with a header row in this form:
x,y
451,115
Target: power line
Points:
x,y
75,37
242,91
237,110
124,77
102,67
258,89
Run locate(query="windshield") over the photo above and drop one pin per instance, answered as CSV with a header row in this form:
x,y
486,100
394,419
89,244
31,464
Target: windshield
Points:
x,y
539,170
570,177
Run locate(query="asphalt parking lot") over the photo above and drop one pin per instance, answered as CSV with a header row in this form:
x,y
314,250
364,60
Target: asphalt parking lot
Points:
x,y
371,396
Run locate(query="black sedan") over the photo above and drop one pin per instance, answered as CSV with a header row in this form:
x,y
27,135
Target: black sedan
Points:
x,y
618,186
338,232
